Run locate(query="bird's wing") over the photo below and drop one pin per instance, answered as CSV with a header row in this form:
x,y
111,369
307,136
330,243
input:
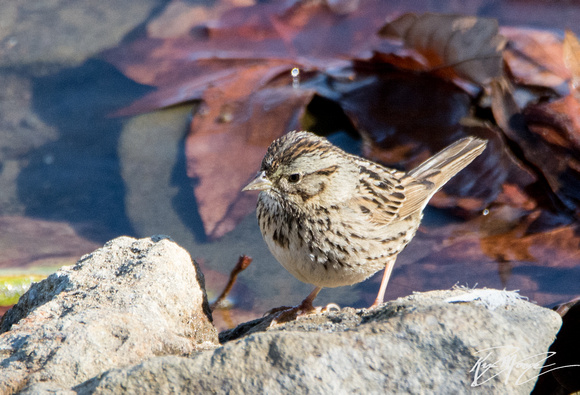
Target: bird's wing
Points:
x,y
381,195
385,194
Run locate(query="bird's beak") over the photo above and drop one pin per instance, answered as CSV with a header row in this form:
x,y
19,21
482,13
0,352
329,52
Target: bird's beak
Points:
x,y
259,183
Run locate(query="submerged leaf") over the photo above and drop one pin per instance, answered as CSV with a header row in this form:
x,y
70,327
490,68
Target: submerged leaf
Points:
x,y
308,35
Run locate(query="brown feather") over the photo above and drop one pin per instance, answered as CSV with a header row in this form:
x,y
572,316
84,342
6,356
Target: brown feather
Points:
x,y
425,180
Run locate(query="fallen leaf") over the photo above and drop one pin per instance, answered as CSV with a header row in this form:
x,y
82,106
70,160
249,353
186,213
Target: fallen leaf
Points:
x,y
451,46
536,57
234,133
555,148
493,250
571,48
405,118
307,35
561,121
551,153
179,17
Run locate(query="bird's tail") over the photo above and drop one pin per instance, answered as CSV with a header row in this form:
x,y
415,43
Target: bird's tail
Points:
x,y
445,164
423,181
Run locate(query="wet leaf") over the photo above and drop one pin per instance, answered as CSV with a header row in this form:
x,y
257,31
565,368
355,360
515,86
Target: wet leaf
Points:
x,y
234,134
556,145
308,35
571,48
536,57
494,251
452,46
424,114
543,146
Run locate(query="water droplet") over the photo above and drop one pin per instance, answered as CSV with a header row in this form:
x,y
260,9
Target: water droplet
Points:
x,y
295,73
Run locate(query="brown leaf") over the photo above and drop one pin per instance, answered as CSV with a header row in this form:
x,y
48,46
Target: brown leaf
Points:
x,y
451,46
424,114
491,251
554,145
549,152
536,57
308,35
232,131
557,122
556,247
571,48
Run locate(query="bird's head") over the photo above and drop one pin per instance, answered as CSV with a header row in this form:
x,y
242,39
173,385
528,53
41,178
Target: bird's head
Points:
x,y
306,169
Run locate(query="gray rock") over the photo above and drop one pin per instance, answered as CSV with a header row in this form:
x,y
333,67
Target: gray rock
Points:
x,y
36,33
124,303
432,342
45,388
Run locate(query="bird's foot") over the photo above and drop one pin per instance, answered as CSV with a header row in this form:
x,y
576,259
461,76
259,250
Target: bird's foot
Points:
x,y
278,309
287,314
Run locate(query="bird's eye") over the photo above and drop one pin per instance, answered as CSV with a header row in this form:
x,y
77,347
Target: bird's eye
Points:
x,y
294,178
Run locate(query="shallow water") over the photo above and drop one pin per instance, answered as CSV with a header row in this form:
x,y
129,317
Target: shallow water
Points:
x,y
73,177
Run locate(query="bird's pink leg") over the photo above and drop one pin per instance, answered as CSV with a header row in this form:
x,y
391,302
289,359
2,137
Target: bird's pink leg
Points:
x,y
306,305
386,275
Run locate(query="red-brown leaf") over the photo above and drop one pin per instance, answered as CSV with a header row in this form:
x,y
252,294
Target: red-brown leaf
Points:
x,y
231,131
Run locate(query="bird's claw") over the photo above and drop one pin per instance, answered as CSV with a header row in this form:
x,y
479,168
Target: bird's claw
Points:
x,y
330,307
287,314
278,309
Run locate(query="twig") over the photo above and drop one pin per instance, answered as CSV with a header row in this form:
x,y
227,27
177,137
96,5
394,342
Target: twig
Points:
x,y
242,265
